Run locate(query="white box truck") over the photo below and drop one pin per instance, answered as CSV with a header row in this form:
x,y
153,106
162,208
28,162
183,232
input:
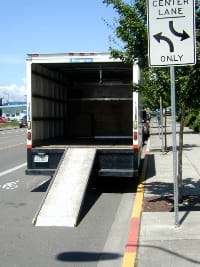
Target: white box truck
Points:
x,y
82,100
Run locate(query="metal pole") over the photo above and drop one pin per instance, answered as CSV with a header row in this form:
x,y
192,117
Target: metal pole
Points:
x,y
173,103
161,122
165,132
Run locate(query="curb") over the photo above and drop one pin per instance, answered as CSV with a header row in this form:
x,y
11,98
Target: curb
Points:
x,y
129,259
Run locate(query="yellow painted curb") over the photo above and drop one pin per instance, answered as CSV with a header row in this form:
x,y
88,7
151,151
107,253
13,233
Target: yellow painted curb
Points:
x,y
137,209
129,259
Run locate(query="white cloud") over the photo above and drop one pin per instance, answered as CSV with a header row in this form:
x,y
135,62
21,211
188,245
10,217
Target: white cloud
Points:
x,y
13,92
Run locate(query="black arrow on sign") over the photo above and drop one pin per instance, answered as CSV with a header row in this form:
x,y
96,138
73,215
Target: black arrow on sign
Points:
x,y
183,35
159,37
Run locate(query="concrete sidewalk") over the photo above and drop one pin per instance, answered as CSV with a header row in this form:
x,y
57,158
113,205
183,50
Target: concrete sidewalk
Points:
x,y
160,242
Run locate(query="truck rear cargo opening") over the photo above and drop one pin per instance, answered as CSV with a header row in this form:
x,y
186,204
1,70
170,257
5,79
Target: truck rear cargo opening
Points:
x,y
77,100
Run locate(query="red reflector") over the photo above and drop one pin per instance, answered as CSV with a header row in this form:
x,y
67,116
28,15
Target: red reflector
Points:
x,y
29,135
135,147
135,135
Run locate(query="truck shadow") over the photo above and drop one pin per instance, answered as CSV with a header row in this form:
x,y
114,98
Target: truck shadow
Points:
x,y
100,185
96,187
42,187
151,169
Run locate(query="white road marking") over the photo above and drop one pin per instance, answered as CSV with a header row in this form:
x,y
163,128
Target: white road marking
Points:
x,y
12,131
13,169
10,185
8,137
12,146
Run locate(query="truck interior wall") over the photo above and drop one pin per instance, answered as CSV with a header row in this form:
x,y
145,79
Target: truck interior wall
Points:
x,y
49,98
78,104
99,108
92,119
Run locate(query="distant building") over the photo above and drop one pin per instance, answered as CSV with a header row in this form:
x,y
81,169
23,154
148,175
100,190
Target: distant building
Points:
x,y
14,110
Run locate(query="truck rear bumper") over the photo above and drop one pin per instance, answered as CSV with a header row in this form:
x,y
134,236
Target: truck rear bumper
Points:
x,y
48,172
108,162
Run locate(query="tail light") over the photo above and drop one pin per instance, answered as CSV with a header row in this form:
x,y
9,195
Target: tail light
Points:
x,y
135,136
29,136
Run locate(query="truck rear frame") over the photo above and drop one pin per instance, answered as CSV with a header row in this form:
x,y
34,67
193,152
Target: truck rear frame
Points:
x,y
82,99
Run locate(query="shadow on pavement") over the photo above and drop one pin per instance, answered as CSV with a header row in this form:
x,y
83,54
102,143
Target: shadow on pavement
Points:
x,y
101,185
151,169
186,147
97,186
79,256
163,189
42,187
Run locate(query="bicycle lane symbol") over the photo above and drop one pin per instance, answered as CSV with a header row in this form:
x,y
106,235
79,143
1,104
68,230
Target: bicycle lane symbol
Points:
x,y
10,185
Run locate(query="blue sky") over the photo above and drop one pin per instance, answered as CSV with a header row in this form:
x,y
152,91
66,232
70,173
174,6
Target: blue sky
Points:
x,y
47,26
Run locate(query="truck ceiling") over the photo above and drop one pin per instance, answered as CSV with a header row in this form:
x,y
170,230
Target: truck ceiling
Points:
x,y
107,70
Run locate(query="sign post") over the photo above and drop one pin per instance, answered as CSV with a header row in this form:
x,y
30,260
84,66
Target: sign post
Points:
x,y
171,42
174,147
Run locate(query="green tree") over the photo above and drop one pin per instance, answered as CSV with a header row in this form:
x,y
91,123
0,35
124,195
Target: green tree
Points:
x,y
156,84
131,29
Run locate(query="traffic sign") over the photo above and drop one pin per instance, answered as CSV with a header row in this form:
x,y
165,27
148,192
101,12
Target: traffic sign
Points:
x,y
171,32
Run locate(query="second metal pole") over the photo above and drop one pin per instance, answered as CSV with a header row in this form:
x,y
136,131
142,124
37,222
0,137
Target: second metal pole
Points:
x,y
161,122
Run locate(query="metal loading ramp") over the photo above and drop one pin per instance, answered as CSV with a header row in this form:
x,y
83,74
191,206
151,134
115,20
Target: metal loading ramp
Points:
x,y
63,201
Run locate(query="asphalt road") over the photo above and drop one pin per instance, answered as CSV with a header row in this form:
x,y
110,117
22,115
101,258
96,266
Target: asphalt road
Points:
x,y
12,148
98,240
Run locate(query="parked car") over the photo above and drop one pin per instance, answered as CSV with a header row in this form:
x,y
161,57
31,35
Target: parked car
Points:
x,y
3,120
23,121
168,111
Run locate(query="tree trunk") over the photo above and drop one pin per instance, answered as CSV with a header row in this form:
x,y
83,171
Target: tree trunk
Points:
x,y
180,153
